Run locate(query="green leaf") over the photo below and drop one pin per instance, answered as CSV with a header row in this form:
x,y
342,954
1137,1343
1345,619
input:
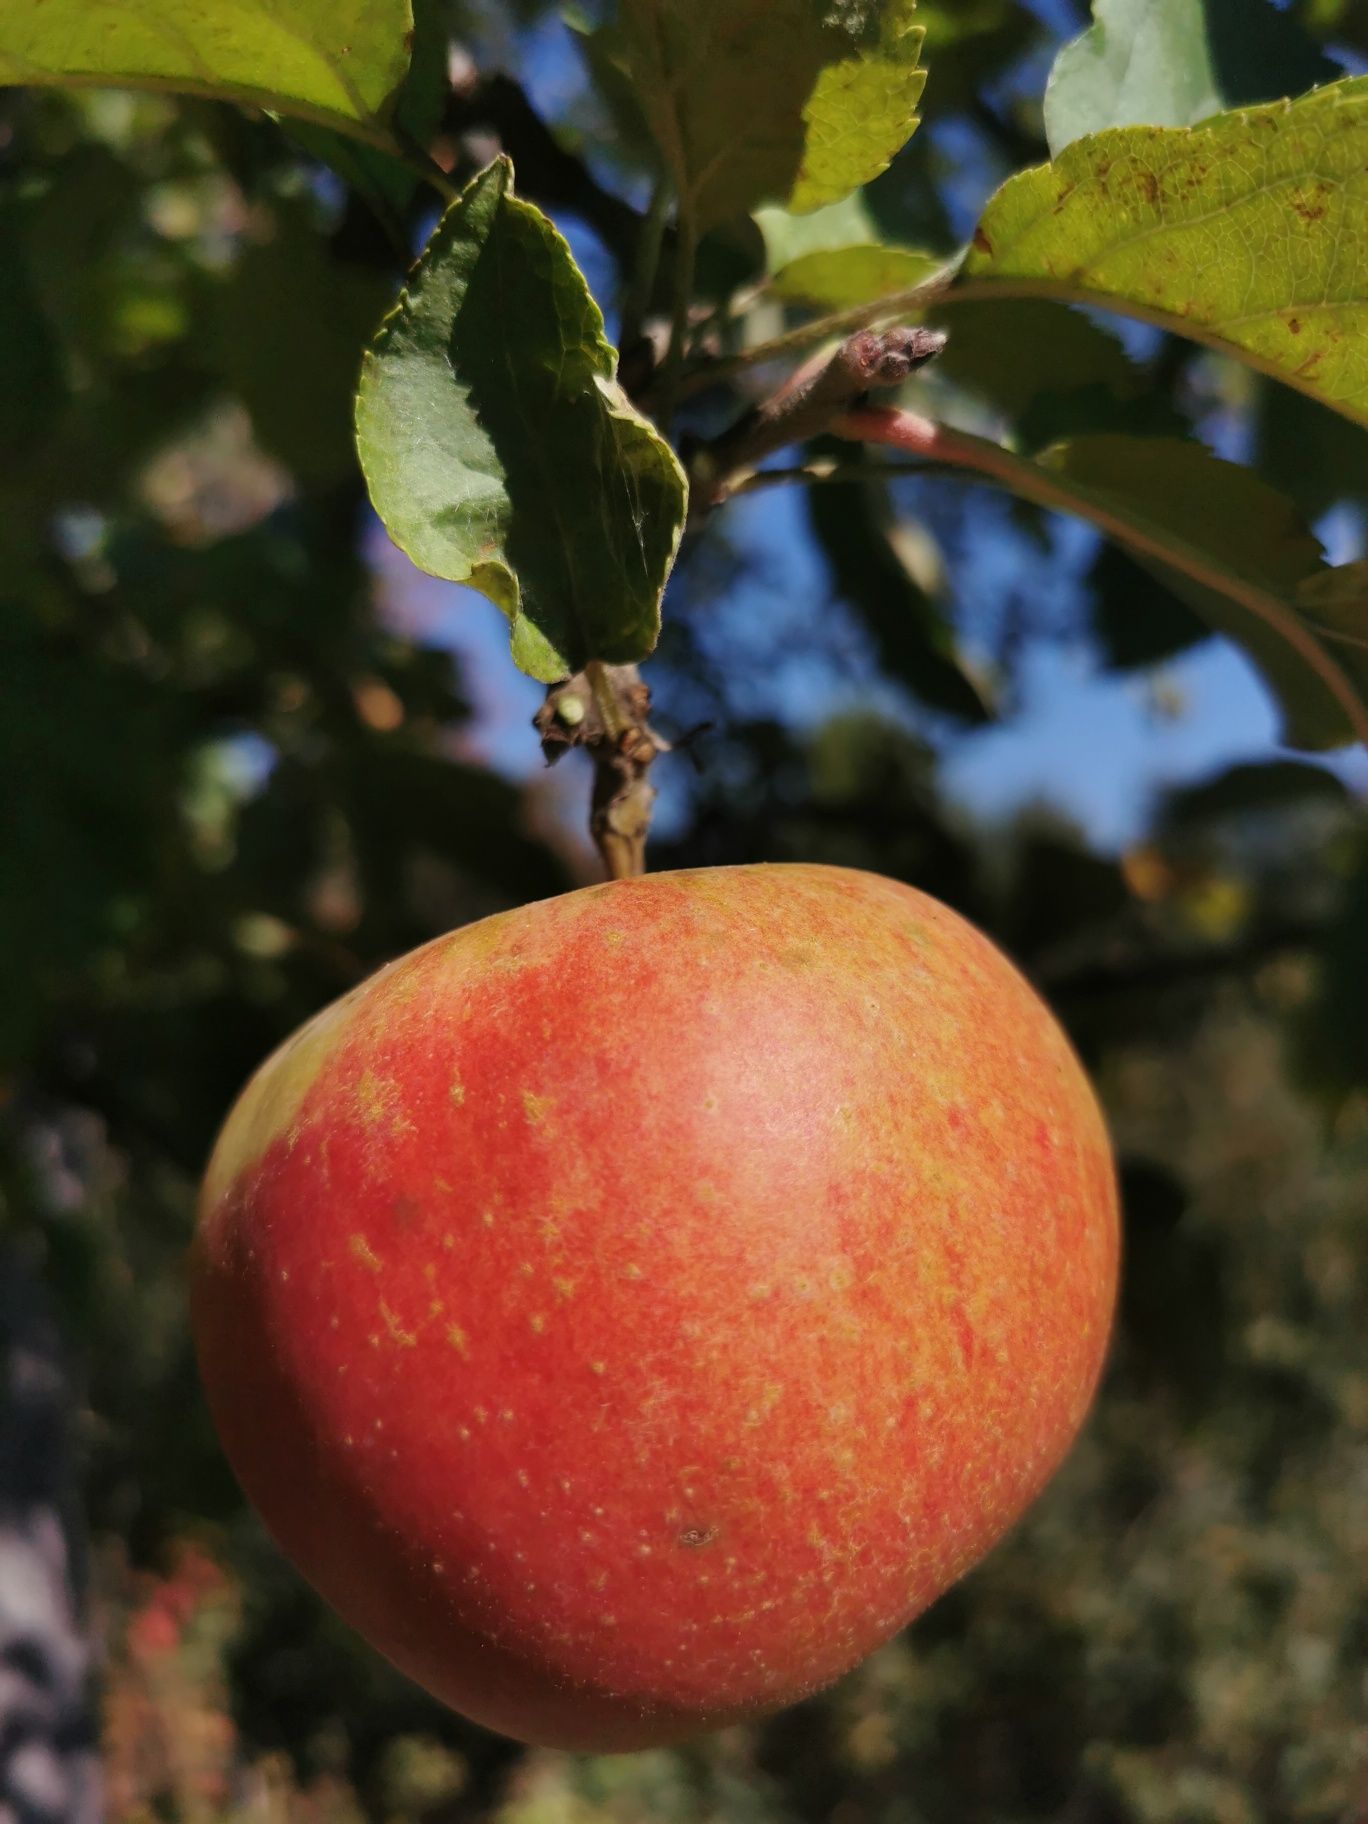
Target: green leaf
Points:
x,y
387,184
1245,233
1138,621
1008,351
834,257
499,449
754,101
846,276
1229,547
1313,455
336,62
1171,63
31,379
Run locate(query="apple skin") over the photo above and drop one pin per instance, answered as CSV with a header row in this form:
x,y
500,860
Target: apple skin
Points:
x,y
629,1310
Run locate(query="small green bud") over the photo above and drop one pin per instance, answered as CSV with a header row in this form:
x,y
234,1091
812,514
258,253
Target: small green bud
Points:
x,y
570,710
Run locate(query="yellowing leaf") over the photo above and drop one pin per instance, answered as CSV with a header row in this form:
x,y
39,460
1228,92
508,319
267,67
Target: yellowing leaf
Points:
x,y
337,62
1246,233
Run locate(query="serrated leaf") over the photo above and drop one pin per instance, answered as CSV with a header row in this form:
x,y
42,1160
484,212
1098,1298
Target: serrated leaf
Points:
x,y
336,62
862,108
789,101
499,449
1245,233
1171,63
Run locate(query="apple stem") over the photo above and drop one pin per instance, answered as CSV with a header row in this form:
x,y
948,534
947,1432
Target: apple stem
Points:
x,y
604,709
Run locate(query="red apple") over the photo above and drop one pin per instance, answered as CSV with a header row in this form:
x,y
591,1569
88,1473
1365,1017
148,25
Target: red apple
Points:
x,y
630,1310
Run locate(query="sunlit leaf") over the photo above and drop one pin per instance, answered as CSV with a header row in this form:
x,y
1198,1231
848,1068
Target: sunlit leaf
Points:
x,y
500,450
389,185
1245,233
1171,63
844,276
834,257
337,62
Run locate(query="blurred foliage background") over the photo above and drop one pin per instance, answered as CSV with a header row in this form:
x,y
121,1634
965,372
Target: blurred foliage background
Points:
x,y
248,755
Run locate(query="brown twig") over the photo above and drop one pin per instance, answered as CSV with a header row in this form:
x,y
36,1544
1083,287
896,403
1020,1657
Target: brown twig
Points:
x,y
808,402
604,710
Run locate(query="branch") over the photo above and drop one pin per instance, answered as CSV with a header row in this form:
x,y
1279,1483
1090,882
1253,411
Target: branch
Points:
x,y
603,709
808,403
712,371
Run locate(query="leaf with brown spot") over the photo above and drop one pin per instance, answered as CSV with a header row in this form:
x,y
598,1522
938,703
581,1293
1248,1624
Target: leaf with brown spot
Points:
x,y
1245,233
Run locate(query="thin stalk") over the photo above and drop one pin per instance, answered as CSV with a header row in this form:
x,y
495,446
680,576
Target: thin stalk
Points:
x,y
817,474
637,299
671,373
410,153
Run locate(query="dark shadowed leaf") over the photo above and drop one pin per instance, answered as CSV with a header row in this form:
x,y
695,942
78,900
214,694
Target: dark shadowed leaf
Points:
x,y
1250,791
292,324
1138,620
1313,455
1231,549
968,43
1049,369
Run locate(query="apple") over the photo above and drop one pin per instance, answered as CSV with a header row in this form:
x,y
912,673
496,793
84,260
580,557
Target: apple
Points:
x,y
630,1310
